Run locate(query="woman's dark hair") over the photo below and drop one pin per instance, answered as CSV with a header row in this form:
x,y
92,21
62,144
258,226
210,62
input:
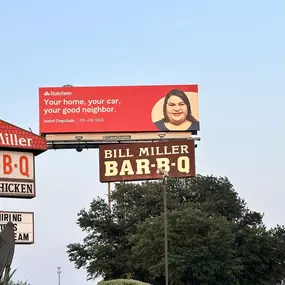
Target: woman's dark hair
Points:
x,y
184,98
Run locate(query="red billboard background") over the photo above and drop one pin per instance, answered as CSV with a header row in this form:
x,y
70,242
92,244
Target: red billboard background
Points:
x,y
108,109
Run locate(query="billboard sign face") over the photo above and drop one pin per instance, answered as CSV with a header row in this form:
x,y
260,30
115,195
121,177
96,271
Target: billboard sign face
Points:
x,y
120,109
23,225
141,161
17,174
13,137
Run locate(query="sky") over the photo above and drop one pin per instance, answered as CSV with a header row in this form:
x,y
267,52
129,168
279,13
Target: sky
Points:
x,y
234,50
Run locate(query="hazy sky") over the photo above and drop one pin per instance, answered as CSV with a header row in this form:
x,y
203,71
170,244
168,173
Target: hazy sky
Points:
x,y
233,49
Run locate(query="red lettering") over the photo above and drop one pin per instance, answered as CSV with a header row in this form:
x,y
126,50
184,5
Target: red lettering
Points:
x,y
24,165
7,164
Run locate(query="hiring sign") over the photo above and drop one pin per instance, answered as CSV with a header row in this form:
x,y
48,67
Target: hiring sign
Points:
x,y
23,225
17,174
140,161
121,109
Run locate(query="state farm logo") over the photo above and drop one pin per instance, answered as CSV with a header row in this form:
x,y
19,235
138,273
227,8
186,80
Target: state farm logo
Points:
x,y
57,93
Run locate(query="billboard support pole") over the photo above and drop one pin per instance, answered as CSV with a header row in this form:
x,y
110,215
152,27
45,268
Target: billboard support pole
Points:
x,y
109,195
58,273
165,176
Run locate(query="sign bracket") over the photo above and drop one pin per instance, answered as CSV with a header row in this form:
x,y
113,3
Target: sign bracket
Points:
x,y
81,144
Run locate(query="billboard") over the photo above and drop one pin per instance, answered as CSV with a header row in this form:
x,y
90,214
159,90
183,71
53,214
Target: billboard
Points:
x,y
104,109
141,161
17,174
23,225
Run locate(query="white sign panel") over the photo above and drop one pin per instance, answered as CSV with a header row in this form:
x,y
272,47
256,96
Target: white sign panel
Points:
x,y
17,174
23,225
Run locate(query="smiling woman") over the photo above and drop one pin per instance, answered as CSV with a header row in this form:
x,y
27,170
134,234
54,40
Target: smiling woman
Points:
x,y
177,115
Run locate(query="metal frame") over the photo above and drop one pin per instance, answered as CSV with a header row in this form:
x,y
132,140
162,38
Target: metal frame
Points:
x,y
81,144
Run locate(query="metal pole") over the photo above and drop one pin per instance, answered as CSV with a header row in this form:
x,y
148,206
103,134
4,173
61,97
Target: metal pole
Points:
x,y
109,195
165,228
58,272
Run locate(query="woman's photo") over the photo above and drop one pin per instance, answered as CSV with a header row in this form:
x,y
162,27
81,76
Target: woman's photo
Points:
x,y
177,114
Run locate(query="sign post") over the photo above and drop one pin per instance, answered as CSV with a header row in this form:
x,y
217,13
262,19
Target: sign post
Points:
x,y
165,176
109,195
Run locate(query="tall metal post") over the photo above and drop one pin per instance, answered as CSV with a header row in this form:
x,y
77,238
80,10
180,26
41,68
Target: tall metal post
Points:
x,y
58,272
165,175
109,195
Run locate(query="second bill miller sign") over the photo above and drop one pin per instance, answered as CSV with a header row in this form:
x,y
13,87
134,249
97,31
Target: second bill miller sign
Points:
x,y
141,161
